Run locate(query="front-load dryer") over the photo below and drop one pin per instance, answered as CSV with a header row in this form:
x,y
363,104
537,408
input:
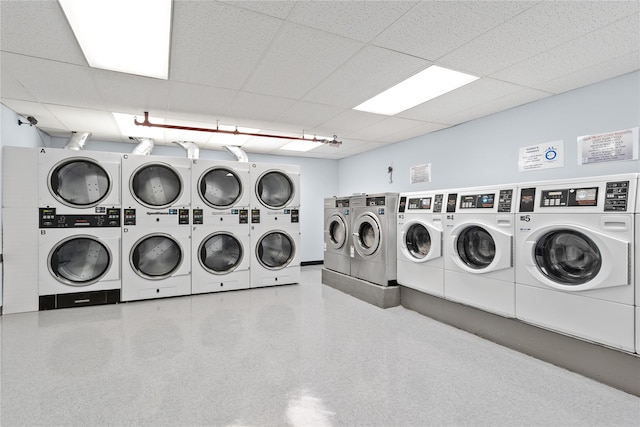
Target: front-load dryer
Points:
x,y
275,254
275,195
419,247
373,237
78,259
337,229
221,246
156,191
575,258
479,248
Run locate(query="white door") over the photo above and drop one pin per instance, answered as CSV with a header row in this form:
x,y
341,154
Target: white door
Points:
x,y
478,248
420,242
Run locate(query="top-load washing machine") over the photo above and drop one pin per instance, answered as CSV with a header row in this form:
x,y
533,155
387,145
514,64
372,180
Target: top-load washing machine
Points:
x,y
479,248
575,242
419,248
337,229
221,246
156,230
373,238
79,215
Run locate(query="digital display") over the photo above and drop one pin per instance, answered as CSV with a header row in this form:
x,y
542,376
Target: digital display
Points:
x,y
473,201
420,203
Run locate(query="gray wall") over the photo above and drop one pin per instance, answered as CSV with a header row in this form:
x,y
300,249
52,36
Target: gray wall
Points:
x,y
485,151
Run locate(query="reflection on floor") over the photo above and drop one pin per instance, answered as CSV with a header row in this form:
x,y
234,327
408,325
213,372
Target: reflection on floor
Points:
x,y
294,355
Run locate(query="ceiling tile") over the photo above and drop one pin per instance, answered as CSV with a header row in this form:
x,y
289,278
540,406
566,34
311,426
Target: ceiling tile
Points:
x,y
196,102
348,121
384,130
39,29
84,120
128,92
442,108
259,107
358,20
279,9
543,27
612,41
309,115
10,87
216,44
369,72
27,108
347,145
435,28
298,59
417,131
263,145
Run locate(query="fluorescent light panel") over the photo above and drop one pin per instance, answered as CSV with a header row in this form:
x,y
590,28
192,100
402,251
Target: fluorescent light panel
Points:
x,y
301,145
422,87
129,36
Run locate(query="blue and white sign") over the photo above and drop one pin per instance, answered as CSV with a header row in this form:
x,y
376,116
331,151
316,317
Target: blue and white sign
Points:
x,y
541,156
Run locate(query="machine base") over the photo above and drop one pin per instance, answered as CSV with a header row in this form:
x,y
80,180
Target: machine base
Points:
x,y
79,299
380,296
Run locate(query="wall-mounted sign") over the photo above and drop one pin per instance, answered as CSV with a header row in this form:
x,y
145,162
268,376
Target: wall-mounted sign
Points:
x,y
541,156
613,146
420,173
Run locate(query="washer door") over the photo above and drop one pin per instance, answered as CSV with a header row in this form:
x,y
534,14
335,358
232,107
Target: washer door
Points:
x,y
156,256
79,182
220,187
274,189
275,250
336,231
568,257
79,261
475,247
367,233
220,253
421,242
156,185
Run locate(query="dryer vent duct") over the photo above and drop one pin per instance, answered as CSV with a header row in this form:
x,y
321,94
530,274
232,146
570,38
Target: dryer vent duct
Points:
x,y
144,147
77,141
237,152
193,151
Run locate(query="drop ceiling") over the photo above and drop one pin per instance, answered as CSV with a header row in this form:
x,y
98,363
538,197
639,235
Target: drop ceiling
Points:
x,y
288,67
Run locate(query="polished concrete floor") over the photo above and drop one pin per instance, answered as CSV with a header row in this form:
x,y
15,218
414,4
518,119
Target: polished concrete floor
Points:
x,y
293,355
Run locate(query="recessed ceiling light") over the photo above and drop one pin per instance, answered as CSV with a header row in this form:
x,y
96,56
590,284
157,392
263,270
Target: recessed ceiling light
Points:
x,y
427,84
129,36
301,145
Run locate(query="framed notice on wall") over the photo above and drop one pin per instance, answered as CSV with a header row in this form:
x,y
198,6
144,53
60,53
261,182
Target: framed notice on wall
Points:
x,y
541,156
613,146
420,173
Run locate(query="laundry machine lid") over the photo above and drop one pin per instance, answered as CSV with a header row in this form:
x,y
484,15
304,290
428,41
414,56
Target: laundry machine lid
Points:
x,y
156,256
274,189
156,185
476,247
79,182
567,257
220,253
79,260
337,231
220,187
275,250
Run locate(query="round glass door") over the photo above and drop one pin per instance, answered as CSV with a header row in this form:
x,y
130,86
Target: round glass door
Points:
x,y
220,188
418,241
367,232
568,257
274,189
275,250
337,231
220,253
79,183
156,256
156,185
476,248
79,261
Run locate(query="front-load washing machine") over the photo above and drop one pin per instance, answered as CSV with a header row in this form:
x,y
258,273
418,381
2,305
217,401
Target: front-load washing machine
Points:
x,y
575,258
373,237
220,235
156,191
78,182
79,259
275,254
156,262
479,248
337,229
419,247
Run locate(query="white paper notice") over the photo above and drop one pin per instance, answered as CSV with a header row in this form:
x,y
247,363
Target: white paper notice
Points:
x,y
608,147
541,156
421,173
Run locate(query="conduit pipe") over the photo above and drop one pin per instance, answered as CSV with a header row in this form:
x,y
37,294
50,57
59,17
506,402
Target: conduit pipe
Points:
x,y
333,142
237,152
144,147
77,141
193,151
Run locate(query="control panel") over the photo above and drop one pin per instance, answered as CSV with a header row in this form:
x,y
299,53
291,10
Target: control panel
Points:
x,y
342,203
420,203
48,218
569,197
475,201
451,202
616,196
437,203
402,204
376,201
505,200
